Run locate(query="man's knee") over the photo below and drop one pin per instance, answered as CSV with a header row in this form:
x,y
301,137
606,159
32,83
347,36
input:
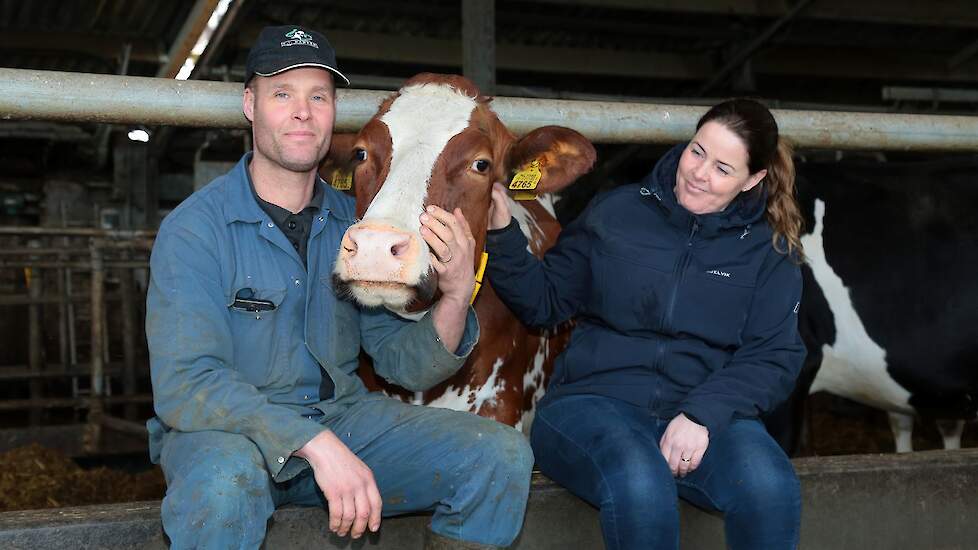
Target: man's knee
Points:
x,y
507,449
217,483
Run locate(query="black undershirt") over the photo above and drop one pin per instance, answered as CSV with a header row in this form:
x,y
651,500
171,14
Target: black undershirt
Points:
x,y
296,228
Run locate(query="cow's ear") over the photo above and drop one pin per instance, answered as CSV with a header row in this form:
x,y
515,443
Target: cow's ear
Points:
x,y
562,155
337,167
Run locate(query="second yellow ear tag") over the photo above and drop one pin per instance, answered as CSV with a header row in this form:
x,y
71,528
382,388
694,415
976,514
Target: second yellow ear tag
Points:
x,y
525,181
341,180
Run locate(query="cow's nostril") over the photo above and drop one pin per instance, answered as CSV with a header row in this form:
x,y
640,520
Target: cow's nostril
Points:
x,y
400,247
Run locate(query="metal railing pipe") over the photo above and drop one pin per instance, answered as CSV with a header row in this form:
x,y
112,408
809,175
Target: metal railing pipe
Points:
x,y
57,96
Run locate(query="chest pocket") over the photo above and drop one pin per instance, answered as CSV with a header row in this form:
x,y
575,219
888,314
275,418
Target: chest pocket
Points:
x,y
631,286
259,331
725,295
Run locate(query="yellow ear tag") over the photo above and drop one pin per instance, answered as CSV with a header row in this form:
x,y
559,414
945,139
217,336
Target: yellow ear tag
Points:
x,y
479,275
341,180
525,182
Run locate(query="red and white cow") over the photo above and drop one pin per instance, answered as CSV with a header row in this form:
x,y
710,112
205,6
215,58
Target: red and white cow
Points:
x,y
436,141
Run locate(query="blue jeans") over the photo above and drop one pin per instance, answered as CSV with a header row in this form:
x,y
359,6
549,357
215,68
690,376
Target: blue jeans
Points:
x,y
607,452
473,473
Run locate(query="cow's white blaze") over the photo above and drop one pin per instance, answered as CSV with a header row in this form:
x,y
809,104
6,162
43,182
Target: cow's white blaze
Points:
x,y
854,366
473,398
420,121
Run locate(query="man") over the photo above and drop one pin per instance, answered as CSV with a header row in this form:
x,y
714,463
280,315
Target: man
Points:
x,y
253,356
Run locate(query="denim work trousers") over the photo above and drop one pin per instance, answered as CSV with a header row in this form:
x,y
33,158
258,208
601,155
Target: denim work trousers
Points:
x,y
474,473
607,452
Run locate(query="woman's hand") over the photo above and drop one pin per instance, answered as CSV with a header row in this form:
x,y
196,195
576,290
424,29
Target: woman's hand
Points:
x,y
499,215
683,445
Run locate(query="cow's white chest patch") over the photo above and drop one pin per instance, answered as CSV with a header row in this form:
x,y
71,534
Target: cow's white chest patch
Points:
x,y
533,382
471,398
854,366
421,121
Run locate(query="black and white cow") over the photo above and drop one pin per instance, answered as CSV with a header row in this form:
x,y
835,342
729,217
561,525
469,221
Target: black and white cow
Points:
x,y
890,306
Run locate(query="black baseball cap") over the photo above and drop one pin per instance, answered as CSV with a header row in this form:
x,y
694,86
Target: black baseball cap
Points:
x,y
287,47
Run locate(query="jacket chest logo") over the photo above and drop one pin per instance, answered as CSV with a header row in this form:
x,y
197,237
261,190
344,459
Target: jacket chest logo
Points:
x,y
719,273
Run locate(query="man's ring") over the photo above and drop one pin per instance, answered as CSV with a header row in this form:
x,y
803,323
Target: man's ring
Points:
x,y
684,459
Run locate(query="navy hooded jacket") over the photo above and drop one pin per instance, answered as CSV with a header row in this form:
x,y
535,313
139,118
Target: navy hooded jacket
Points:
x,y
675,312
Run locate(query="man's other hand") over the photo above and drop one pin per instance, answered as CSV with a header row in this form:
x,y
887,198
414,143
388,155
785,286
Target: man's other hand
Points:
x,y
351,492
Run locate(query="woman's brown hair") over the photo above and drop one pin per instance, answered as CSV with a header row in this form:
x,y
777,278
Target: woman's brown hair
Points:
x,y
755,126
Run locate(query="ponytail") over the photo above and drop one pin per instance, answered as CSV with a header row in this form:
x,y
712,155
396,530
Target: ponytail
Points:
x,y
783,214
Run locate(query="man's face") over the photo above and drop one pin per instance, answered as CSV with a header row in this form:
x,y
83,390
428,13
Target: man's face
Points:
x,y
292,117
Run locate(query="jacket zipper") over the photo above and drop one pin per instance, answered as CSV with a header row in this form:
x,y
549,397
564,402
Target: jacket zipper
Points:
x,y
667,315
683,263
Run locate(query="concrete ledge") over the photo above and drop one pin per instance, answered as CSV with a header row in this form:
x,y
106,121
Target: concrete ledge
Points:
x,y
920,500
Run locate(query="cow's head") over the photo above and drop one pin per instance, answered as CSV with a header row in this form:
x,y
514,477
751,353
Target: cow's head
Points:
x,y
435,141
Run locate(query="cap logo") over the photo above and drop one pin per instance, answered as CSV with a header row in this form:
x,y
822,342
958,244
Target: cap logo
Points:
x,y
299,37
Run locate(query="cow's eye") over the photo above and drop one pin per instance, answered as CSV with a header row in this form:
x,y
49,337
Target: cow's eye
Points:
x,y
481,165
360,154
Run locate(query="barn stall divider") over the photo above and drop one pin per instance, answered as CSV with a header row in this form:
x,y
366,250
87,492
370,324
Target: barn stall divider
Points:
x,y
919,500
73,261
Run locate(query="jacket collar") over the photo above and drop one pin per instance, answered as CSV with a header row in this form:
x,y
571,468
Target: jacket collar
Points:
x,y
746,208
241,205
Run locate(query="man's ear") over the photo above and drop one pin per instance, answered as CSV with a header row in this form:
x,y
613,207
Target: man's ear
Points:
x,y
248,104
337,167
562,156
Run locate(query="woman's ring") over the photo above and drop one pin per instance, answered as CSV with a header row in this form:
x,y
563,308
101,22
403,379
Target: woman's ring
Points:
x,y
450,255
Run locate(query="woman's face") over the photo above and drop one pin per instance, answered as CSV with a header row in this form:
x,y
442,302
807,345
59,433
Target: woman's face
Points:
x,y
713,170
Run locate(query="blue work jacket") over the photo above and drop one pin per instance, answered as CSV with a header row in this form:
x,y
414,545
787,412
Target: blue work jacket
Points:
x,y
218,366
675,312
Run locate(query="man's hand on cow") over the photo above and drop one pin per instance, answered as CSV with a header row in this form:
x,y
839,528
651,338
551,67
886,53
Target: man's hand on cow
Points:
x,y
683,445
348,484
499,214
452,253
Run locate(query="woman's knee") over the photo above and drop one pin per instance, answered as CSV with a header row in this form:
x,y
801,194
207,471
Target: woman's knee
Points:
x,y
779,483
772,485
755,467
638,478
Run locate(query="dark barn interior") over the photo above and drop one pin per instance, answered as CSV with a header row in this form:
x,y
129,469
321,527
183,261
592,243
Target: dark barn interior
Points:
x,y
80,201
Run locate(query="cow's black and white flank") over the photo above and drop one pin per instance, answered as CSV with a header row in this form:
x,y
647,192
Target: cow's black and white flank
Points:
x,y
890,308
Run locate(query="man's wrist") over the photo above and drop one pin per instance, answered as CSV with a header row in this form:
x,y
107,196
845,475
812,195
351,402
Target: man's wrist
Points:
x,y
455,303
310,451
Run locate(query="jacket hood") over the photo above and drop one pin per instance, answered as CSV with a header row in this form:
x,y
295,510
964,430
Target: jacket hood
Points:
x,y
745,210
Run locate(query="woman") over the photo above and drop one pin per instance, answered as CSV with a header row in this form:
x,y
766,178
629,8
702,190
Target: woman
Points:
x,y
686,289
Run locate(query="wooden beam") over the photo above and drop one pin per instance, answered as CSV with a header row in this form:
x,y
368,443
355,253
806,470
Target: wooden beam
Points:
x,y
193,26
448,53
862,64
744,55
102,46
479,43
216,43
951,13
780,60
